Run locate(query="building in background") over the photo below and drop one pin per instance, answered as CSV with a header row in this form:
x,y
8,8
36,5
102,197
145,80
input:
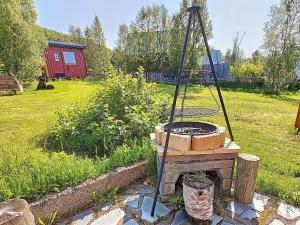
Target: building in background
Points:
x,y
221,68
65,60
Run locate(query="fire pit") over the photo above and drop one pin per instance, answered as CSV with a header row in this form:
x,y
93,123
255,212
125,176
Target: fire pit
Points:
x,y
191,128
194,146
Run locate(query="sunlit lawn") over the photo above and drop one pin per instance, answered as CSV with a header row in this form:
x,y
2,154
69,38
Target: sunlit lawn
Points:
x,y
262,125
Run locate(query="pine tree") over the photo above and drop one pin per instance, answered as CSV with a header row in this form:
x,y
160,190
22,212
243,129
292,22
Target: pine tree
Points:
x,y
21,42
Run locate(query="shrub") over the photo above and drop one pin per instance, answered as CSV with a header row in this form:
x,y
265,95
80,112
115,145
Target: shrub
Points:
x,y
123,109
248,72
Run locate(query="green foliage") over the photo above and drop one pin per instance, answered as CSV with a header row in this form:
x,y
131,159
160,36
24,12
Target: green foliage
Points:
x,y
111,197
280,70
54,35
176,199
21,42
281,43
49,221
97,55
124,108
154,39
248,72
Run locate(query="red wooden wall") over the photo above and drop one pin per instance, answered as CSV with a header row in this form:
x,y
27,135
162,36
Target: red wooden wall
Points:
x,y
77,70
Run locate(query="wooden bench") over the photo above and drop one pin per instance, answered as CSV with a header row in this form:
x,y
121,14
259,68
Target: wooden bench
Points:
x,y
9,83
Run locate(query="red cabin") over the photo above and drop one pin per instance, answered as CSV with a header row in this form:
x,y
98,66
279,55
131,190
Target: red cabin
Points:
x,y
65,60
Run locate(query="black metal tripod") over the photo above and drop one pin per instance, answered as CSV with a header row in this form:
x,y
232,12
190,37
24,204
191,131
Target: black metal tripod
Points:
x,y
193,11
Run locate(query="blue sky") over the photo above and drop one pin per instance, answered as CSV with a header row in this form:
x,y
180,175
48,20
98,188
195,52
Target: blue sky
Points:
x,y
228,17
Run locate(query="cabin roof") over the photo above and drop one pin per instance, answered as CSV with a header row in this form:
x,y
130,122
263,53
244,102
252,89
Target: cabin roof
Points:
x,y
65,44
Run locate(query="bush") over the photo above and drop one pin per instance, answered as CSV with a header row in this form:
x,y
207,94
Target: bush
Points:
x,y
125,108
248,72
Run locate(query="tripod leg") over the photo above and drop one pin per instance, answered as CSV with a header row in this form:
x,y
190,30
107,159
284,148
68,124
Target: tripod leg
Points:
x,y
172,111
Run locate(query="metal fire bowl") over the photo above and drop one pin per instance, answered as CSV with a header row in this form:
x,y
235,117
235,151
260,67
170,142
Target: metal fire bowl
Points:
x,y
191,128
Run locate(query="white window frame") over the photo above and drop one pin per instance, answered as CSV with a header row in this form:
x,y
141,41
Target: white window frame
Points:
x,y
73,58
56,57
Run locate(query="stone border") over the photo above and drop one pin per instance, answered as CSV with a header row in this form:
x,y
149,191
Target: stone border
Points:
x,y
76,198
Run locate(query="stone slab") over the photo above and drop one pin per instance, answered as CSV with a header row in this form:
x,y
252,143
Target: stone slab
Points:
x,y
179,219
160,210
144,190
250,214
207,142
288,211
216,219
178,142
111,218
131,222
190,166
132,201
277,222
202,157
84,217
158,134
229,147
226,223
235,207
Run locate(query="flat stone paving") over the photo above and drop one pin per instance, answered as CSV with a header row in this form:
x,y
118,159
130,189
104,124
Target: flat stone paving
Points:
x,y
133,208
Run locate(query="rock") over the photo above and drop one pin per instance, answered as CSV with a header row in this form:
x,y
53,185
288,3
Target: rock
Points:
x,y
179,219
235,207
226,223
298,222
257,205
132,201
259,202
276,222
216,219
111,218
144,190
160,210
250,214
131,222
83,218
104,207
288,211
262,198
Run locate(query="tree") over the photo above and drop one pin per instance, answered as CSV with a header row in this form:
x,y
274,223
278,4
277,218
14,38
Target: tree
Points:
x,y
97,55
281,44
21,42
196,47
76,34
145,42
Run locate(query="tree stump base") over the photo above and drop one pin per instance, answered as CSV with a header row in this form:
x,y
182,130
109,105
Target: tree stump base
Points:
x,y
15,212
247,166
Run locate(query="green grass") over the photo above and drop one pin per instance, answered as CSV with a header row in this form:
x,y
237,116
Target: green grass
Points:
x,y
30,172
262,125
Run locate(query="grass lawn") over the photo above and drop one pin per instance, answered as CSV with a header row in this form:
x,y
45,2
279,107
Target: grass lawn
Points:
x,y
262,125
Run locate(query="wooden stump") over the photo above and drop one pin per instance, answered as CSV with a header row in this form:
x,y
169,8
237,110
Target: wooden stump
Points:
x,y
15,212
247,166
